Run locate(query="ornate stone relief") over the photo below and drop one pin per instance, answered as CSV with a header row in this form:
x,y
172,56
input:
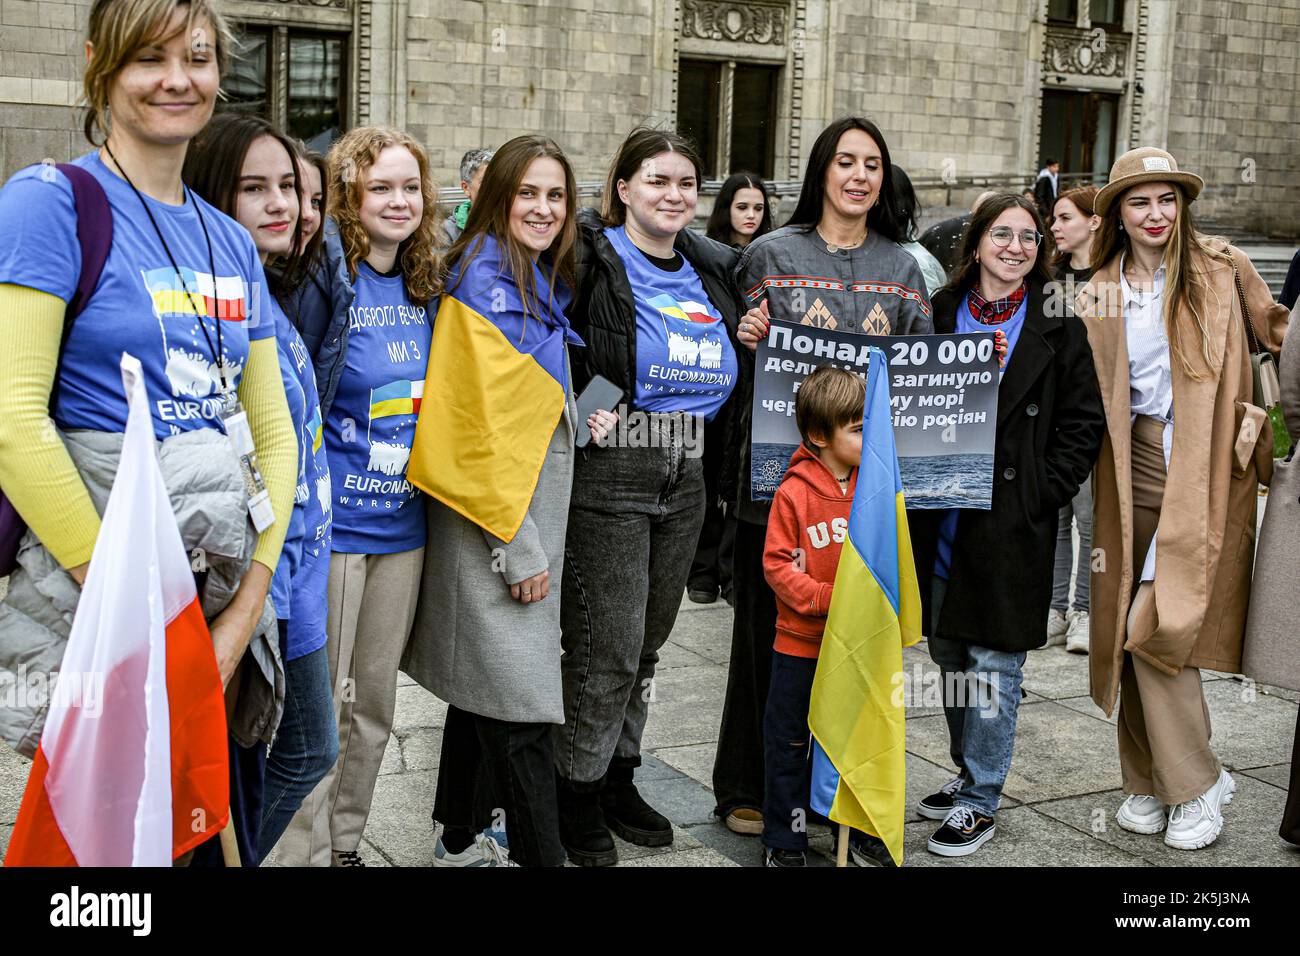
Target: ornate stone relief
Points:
x,y
1078,52
751,22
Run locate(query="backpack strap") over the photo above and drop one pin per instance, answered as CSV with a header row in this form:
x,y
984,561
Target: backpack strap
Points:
x,y
95,237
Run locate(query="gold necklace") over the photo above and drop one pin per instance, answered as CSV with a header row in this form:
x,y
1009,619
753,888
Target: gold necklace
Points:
x,y
832,248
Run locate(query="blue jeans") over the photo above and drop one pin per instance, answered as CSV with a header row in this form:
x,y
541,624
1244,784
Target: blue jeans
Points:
x,y
981,701
305,746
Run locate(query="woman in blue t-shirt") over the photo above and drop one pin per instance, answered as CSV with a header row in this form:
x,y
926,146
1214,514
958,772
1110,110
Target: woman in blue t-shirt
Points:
x,y
658,312
382,205
249,169
183,291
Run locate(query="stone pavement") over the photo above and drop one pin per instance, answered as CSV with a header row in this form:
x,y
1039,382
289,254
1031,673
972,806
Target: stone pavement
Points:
x,y
1058,807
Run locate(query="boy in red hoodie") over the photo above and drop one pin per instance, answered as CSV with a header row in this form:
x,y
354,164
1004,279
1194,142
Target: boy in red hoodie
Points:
x,y
808,523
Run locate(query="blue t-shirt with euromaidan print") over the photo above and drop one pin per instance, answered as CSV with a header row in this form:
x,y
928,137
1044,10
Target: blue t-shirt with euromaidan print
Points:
x,y
684,358
167,317
372,422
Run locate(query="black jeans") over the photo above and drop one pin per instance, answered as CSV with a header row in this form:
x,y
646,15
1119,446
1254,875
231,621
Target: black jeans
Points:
x,y
634,519
738,766
507,762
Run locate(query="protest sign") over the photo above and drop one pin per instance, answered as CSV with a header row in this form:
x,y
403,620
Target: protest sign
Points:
x,y
943,394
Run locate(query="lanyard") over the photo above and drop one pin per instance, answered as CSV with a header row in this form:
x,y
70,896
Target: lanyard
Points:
x,y
217,353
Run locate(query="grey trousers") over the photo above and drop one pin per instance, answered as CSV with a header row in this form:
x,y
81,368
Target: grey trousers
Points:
x,y
1079,509
371,608
634,520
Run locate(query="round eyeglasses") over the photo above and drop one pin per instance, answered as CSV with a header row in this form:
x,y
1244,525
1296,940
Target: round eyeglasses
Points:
x,y
1001,236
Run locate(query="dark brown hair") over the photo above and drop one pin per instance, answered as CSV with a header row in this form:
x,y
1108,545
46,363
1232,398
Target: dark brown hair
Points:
x,y
490,214
884,217
719,226
642,145
828,398
213,165
306,156
968,270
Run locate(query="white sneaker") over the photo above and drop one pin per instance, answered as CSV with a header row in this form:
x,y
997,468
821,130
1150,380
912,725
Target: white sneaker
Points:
x,y
1056,627
1141,813
1076,636
1197,822
484,851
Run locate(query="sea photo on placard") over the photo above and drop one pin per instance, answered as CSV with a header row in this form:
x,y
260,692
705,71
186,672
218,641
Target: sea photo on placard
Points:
x,y
943,396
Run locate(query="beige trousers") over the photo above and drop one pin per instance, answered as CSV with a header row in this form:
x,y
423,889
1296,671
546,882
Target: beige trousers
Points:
x,y
371,607
1164,723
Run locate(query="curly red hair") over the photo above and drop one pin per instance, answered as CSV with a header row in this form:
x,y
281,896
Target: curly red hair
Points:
x,y
349,158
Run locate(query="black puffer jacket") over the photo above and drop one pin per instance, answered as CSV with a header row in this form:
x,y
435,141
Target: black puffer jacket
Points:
x,y
604,313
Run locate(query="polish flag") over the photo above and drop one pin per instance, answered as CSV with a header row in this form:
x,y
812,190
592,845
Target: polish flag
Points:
x,y
131,769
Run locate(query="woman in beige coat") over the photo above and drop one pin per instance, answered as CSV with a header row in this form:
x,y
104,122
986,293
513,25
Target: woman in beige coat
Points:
x,y
1175,485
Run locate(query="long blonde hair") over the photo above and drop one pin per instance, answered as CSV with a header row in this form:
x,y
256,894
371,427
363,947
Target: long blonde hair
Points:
x,y
349,159
1186,289
118,28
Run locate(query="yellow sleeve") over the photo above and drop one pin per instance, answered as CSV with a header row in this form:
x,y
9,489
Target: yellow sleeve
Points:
x,y
261,390
36,471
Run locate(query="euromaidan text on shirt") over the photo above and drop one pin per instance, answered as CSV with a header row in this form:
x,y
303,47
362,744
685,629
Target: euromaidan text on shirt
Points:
x,y
684,358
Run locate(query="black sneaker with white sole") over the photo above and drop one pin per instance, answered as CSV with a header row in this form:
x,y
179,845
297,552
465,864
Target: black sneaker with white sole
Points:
x,y
867,850
937,806
774,856
964,832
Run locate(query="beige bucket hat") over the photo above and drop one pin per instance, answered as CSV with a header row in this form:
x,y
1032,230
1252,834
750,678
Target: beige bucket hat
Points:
x,y
1146,164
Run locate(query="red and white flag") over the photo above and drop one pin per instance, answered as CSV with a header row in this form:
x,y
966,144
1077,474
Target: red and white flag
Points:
x,y
132,765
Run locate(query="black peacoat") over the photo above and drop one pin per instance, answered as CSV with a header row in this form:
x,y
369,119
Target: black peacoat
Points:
x,y
1049,429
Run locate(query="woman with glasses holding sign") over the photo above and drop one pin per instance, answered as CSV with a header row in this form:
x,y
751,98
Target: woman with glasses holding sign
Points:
x,y
1173,316
986,576
836,264
182,289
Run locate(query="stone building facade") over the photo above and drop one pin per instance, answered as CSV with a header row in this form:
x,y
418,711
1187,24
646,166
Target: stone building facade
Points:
x,y
966,93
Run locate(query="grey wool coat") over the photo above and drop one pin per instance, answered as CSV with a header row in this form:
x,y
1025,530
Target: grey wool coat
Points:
x,y
473,645
1272,651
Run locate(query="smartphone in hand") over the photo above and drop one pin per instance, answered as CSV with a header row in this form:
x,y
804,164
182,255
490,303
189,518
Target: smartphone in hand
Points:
x,y
600,394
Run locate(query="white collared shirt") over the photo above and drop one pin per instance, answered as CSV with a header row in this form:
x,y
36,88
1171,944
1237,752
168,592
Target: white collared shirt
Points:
x,y
1151,389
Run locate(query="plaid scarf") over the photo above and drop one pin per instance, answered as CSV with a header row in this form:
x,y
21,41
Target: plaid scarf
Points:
x,y
998,311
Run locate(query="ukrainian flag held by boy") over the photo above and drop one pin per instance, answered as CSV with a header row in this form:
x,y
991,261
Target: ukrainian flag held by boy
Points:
x,y
856,715
495,389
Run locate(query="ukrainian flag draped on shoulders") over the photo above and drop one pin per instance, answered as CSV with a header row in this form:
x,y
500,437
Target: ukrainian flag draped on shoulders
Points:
x,y
495,389
856,713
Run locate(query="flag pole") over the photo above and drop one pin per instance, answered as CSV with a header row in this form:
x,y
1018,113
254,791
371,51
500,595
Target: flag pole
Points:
x,y
229,846
842,851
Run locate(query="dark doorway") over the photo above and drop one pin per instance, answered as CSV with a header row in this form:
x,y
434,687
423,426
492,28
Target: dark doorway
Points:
x,y
1079,130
